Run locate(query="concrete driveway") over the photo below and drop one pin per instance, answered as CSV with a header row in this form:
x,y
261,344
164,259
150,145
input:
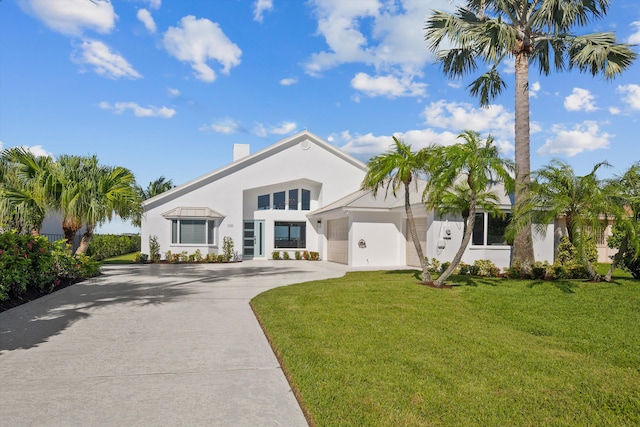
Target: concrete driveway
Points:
x,y
150,345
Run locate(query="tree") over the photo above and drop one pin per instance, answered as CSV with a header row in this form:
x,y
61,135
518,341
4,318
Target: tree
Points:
x,y
92,194
398,168
462,182
25,190
156,187
537,32
557,192
625,191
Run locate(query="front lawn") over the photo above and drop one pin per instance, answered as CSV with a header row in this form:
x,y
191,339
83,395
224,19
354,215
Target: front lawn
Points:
x,y
375,348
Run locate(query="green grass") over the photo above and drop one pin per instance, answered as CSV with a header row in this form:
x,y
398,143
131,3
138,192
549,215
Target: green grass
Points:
x,y
121,259
375,348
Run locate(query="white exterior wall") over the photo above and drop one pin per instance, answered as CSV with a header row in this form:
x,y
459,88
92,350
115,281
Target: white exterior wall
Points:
x,y
383,237
500,255
233,192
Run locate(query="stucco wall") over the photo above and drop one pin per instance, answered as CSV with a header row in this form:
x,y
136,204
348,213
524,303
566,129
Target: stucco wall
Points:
x,y
382,238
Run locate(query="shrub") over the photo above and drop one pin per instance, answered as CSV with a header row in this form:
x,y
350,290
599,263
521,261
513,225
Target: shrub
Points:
x,y
433,265
104,246
275,254
227,248
142,258
154,249
517,271
221,258
305,255
444,266
314,256
285,255
465,268
485,268
630,260
298,255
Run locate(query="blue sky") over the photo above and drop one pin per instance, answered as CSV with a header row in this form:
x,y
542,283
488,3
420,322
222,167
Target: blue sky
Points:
x,y
166,87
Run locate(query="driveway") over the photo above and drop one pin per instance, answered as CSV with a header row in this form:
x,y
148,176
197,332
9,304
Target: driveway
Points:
x,y
150,345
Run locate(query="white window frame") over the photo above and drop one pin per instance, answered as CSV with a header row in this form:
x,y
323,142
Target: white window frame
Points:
x,y
210,240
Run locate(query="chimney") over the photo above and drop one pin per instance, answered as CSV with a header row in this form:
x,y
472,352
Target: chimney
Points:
x,y
240,151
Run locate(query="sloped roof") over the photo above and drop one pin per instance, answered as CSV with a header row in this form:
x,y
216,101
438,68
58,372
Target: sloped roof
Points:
x,y
249,160
383,201
189,212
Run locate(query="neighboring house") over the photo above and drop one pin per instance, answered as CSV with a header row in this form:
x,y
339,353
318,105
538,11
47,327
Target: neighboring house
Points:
x,y
303,193
52,229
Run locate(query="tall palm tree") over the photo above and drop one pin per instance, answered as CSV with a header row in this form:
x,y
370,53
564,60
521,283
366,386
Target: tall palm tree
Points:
x,y
462,182
538,32
25,191
395,169
557,192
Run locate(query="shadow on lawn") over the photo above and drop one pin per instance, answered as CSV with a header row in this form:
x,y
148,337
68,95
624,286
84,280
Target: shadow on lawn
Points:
x,y
31,324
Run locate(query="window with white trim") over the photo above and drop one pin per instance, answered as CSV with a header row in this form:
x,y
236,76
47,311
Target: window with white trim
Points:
x,y
290,235
488,230
194,232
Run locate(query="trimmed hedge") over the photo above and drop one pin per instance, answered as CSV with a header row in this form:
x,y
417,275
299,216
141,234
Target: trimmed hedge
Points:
x,y
105,246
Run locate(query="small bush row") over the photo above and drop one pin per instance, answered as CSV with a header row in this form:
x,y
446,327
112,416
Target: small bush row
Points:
x,y
31,263
105,246
227,255
306,255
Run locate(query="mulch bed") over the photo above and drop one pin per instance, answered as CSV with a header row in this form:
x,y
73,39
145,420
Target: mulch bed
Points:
x,y
33,294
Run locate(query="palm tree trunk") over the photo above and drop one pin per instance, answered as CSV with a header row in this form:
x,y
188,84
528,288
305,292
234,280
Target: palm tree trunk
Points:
x,y
70,227
523,243
86,239
426,277
617,257
463,246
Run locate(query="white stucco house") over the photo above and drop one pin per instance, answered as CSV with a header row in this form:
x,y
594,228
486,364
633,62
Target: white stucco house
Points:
x,y
303,193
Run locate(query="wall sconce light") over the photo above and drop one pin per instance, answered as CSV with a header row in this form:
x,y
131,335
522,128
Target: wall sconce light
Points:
x,y
362,244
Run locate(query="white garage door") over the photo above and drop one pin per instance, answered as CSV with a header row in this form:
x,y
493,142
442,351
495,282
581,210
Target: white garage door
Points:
x,y
338,240
421,229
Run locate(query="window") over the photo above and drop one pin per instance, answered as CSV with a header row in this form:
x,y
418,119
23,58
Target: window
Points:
x,y
278,200
290,235
306,200
493,235
193,231
264,202
293,200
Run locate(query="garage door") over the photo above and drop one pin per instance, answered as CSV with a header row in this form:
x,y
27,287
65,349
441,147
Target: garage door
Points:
x,y
421,229
338,240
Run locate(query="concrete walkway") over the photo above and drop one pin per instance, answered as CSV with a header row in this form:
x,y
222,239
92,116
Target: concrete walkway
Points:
x,y
150,345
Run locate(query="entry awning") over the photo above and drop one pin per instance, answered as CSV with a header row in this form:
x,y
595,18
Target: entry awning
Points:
x,y
188,212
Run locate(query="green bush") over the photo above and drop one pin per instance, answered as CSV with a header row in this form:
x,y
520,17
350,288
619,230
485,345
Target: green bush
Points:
x,y
154,249
25,262
104,246
630,260
285,255
298,255
72,267
314,256
275,255
227,248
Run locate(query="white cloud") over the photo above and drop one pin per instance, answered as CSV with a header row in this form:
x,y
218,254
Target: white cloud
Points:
x,y
614,111
260,7
367,145
71,17
534,89
104,61
154,4
36,150
173,92
580,100
288,81
631,94
284,128
460,116
635,37
1,145
145,17
387,35
138,111
509,65
199,40
586,136
226,125
389,86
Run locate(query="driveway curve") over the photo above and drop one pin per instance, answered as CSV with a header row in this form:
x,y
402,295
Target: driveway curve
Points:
x,y
156,344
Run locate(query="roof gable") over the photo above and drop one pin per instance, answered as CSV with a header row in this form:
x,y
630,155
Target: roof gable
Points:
x,y
254,158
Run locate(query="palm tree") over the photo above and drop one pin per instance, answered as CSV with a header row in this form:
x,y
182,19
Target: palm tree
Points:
x,y
462,182
92,194
537,32
25,191
396,168
557,192
625,191
156,187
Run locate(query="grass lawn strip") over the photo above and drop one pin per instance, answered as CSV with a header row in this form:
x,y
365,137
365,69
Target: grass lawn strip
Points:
x,y
373,348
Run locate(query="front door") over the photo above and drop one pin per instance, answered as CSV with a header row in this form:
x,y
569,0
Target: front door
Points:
x,y
253,239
